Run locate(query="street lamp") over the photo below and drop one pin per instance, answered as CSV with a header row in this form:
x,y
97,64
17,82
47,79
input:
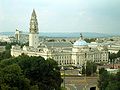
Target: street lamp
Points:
x,y
64,77
85,72
64,74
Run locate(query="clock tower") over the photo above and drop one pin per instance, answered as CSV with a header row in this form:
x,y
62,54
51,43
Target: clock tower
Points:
x,y
33,34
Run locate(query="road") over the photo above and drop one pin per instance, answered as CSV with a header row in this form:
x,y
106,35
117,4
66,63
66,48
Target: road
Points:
x,y
79,83
76,82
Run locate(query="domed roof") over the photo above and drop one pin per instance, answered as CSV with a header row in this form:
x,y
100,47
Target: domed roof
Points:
x,y
80,43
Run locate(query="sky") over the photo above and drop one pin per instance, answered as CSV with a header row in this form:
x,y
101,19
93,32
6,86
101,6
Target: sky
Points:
x,y
102,16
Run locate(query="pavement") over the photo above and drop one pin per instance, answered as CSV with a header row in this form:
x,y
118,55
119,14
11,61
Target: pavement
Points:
x,y
79,82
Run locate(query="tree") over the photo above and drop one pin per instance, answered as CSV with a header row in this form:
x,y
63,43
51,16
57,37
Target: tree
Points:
x,y
54,72
113,86
91,68
115,82
89,40
111,39
51,40
63,40
42,74
118,53
101,70
5,55
112,58
3,43
103,79
8,46
13,79
108,81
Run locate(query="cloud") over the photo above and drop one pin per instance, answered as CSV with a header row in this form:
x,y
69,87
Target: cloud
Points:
x,y
69,15
82,13
47,13
1,13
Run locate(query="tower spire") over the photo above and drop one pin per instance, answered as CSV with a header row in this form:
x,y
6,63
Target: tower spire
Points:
x,y
33,35
33,23
33,13
81,36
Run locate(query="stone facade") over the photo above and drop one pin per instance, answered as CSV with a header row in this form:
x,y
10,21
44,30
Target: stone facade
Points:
x,y
19,37
65,53
34,35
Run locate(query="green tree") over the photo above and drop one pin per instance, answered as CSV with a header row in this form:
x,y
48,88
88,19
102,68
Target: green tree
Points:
x,y
103,79
89,40
114,82
3,43
112,57
108,81
111,39
113,86
8,46
91,68
13,79
43,74
101,70
5,55
118,53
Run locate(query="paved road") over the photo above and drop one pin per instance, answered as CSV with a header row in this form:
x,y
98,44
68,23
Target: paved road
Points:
x,y
71,87
79,83
71,72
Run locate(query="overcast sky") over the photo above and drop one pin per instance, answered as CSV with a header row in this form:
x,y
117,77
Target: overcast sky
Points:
x,y
61,15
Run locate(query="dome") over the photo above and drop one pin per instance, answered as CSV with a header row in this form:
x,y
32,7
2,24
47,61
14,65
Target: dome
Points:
x,y
80,43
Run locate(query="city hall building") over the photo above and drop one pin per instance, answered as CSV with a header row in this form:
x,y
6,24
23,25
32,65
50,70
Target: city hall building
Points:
x,y
65,53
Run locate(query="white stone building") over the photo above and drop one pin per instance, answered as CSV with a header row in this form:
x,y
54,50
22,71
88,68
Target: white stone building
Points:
x,y
20,37
64,53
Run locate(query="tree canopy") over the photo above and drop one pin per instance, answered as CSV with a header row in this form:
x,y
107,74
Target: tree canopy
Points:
x,y
29,73
89,40
91,68
108,81
5,55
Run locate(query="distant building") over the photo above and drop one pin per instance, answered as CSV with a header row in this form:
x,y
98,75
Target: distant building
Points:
x,y
21,37
65,53
115,66
4,38
113,48
18,35
113,71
